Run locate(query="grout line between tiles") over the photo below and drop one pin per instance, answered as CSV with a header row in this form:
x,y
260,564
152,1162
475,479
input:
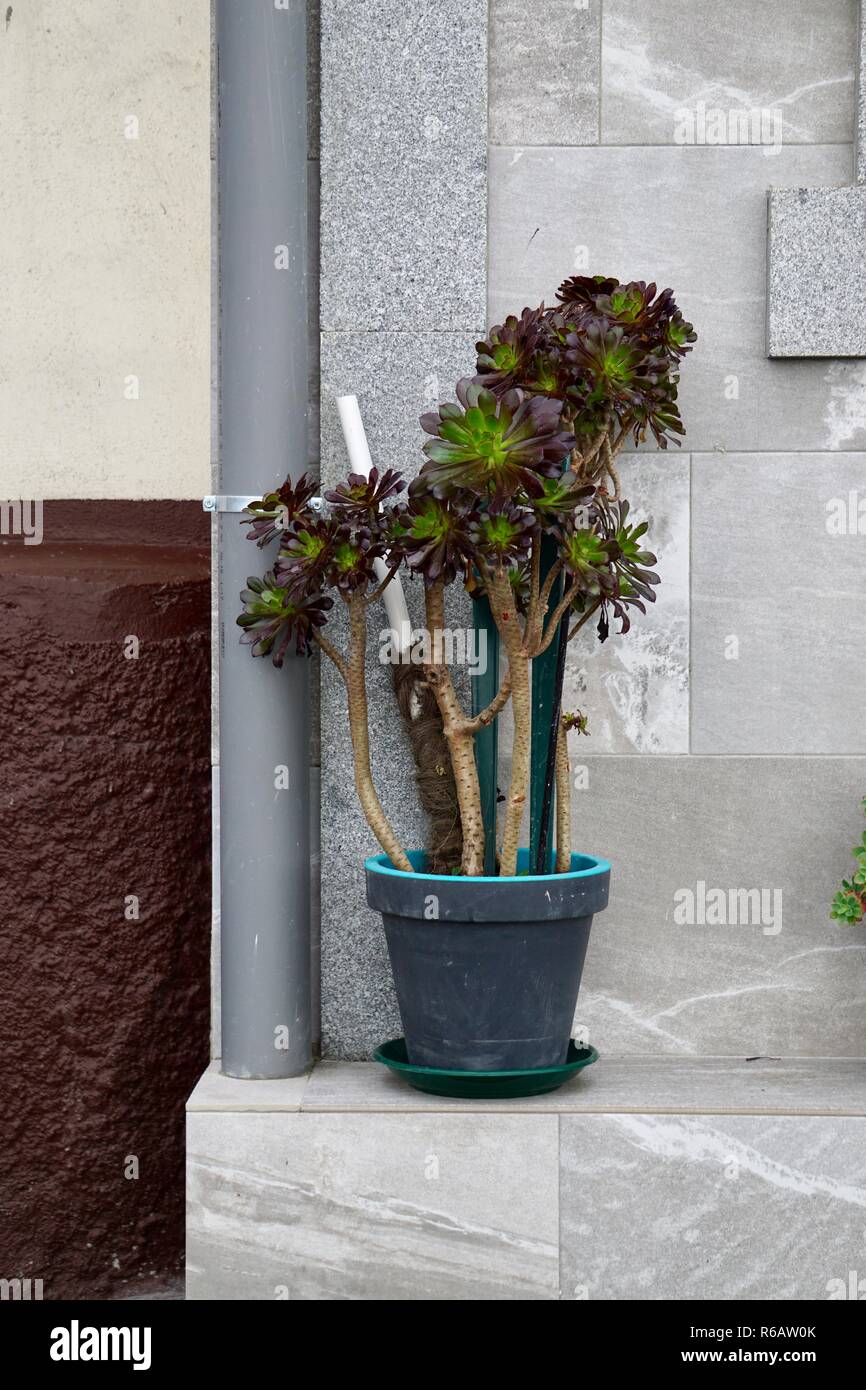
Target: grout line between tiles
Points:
x,y
559,1203
672,145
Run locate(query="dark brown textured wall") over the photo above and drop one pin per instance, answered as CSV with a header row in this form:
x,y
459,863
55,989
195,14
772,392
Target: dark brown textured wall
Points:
x,y
104,793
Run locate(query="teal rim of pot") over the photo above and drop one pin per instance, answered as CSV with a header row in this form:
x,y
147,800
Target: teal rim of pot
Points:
x,y
381,864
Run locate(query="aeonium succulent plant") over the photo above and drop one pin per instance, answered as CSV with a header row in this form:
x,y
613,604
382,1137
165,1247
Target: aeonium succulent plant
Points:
x,y
587,560
582,292
501,533
306,553
356,549
490,445
523,458
632,562
274,614
277,511
361,499
561,497
508,355
434,536
634,581
609,351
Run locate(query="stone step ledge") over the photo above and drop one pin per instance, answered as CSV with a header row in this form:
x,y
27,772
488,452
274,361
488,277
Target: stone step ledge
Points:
x,y
612,1086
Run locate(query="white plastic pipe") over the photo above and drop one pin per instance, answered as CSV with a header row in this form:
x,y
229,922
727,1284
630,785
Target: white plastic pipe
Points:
x,y
361,462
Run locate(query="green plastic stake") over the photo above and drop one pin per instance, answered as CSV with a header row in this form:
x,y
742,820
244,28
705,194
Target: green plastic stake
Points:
x,y
543,696
484,687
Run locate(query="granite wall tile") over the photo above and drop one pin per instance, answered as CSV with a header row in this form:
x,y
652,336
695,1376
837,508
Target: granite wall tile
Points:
x,y
778,603
794,58
673,969
370,1207
544,72
403,283
313,339
694,1208
861,96
695,219
359,1009
396,377
403,157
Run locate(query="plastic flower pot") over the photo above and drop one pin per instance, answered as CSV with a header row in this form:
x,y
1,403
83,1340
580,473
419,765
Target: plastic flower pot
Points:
x,y
487,970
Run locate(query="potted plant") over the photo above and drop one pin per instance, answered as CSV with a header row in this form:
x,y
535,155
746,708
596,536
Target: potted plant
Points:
x,y
849,904
519,500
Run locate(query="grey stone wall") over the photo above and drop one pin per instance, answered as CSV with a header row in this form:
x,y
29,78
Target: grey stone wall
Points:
x,y
403,282
727,743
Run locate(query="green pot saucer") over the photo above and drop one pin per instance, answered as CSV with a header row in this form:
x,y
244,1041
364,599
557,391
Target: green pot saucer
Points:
x,y
483,1085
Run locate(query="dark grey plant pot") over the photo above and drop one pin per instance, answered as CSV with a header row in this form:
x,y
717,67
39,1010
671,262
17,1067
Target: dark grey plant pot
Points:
x,y
487,970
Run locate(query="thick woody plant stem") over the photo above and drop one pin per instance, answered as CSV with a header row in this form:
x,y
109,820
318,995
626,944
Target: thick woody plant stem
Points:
x,y
356,688
458,732
505,614
563,803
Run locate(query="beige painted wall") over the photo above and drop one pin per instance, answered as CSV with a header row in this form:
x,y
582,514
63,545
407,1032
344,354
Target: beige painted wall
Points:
x,y
104,248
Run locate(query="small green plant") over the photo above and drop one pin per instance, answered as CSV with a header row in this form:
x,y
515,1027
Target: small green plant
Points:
x,y
849,904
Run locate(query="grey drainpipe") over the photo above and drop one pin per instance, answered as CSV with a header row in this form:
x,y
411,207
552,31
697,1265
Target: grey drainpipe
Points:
x,y
263,713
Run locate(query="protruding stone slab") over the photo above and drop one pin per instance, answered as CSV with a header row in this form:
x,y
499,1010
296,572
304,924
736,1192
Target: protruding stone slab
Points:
x,y
816,286
403,288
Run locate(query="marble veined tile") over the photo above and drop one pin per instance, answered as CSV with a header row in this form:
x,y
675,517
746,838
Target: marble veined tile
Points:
x,y
634,688
717,940
694,219
704,1207
544,72
778,603
215,1091
364,1207
617,1085
792,59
